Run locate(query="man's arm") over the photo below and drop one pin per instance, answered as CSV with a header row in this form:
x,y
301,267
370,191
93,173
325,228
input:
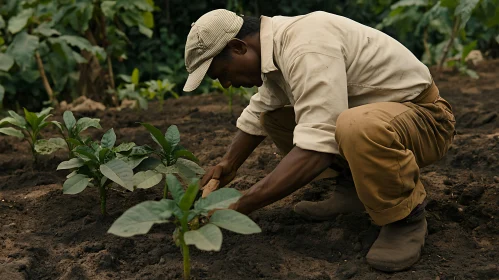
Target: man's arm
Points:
x,y
241,148
298,168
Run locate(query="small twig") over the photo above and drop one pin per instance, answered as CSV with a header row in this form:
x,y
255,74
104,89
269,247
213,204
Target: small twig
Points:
x,y
457,22
46,83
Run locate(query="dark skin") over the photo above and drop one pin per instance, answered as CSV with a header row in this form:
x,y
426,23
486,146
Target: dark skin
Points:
x,y
241,66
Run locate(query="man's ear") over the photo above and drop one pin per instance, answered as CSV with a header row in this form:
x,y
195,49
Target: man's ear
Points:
x,y
237,46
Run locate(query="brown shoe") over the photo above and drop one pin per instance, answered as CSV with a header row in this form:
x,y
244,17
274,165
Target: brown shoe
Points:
x,y
399,244
343,200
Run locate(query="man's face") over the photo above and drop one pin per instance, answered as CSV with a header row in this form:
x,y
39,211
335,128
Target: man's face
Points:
x,y
238,66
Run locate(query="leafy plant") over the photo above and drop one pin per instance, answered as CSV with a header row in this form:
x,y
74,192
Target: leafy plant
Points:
x,y
231,91
441,26
173,158
196,223
30,127
71,130
101,164
149,90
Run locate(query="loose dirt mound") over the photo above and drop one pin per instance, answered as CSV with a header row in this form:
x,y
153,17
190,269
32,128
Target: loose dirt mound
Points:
x,y
48,235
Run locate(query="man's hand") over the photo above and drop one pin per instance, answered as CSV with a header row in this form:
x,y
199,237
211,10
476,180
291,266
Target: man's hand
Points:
x,y
223,172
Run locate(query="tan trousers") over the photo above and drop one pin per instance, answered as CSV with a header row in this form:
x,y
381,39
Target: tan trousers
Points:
x,y
384,144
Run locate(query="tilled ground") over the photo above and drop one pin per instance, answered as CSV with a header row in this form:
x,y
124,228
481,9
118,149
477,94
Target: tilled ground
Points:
x,y
48,235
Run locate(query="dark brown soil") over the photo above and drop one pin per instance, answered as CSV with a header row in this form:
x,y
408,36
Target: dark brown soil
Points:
x,y
48,235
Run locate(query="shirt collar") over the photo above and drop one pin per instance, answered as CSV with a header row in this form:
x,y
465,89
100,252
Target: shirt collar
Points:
x,y
267,44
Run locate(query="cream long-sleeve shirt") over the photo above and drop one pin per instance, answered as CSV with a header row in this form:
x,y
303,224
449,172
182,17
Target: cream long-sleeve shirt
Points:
x,y
322,64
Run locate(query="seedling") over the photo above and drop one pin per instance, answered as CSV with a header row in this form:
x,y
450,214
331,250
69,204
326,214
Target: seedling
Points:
x,y
101,164
29,128
174,159
194,225
231,91
71,130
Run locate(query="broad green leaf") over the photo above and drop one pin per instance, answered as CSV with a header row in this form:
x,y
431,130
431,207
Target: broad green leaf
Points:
x,y
185,154
12,121
135,76
31,118
149,163
22,49
140,218
119,172
47,147
161,168
146,179
2,94
207,238
70,164
146,31
2,22
189,195
234,221
108,139
141,151
133,162
158,136
46,30
133,5
84,123
69,119
20,121
188,169
219,199
74,142
108,8
19,21
148,19
175,187
172,136
78,58
124,147
85,153
11,132
72,174
464,10
467,49
6,62
75,184
103,154
79,42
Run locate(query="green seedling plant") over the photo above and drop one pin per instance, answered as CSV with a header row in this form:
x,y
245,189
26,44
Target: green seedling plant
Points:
x,y
173,158
231,91
102,164
71,130
196,223
29,128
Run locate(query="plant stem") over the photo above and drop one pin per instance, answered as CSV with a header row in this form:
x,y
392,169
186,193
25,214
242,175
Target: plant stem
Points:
x,y
103,197
457,22
46,83
185,249
165,191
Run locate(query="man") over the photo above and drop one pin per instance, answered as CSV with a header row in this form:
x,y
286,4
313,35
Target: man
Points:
x,y
332,93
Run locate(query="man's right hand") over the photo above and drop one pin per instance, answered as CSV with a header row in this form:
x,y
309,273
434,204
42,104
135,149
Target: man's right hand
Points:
x,y
224,172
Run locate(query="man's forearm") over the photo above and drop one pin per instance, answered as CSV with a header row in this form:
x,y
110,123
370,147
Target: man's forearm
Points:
x,y
298,168
241,148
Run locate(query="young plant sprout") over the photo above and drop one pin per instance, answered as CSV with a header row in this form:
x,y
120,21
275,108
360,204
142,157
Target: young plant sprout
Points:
x,y
196,223
30,127
71,130
101,164
173,158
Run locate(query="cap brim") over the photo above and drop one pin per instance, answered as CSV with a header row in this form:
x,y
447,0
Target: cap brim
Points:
x,y
195,78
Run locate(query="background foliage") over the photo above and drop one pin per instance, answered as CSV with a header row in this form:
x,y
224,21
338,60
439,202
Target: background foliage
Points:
x,y
58,50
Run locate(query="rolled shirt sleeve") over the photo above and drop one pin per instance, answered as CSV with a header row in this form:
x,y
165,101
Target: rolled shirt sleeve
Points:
x,y
264,100
319,86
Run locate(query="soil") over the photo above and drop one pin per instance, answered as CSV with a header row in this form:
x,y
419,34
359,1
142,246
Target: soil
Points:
x,y
47,235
